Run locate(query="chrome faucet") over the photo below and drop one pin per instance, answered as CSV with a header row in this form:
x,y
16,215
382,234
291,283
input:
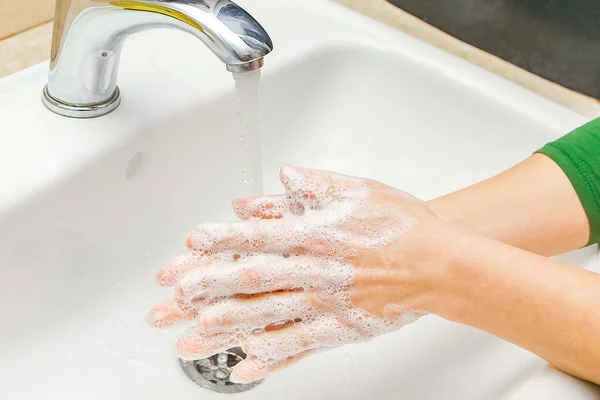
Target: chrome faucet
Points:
x,y
89,34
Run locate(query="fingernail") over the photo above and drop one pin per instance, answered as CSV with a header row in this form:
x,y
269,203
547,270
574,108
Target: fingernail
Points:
x,y
154,320
190,289
163,316
189,347
164,276
238,202
247,371
209,321
240,208
190,242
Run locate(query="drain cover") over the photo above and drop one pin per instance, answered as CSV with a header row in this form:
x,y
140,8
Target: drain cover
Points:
x,y
213,373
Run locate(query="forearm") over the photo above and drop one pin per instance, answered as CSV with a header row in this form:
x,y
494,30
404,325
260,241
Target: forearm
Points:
x,y
532,206
542,305
545,205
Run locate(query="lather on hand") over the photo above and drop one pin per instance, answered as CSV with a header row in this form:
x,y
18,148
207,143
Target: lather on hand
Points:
x,y
334,260
337,260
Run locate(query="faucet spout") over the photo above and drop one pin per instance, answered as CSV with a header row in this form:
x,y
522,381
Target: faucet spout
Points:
x,y
89,35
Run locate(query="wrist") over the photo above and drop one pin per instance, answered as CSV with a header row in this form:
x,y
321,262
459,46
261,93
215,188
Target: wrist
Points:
x,y
424,262
448,272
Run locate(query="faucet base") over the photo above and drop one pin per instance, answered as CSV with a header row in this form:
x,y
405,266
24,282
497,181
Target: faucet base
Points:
x,y
81,110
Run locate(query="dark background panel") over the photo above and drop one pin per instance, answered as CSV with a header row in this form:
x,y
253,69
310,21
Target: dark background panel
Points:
x,y
556,39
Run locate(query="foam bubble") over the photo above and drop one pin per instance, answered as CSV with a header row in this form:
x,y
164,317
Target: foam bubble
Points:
x,y
306,248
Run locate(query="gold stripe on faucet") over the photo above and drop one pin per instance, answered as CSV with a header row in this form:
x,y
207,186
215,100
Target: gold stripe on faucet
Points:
x,y
139,6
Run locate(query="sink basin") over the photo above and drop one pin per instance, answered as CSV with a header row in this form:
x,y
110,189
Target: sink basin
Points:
x,y
90,208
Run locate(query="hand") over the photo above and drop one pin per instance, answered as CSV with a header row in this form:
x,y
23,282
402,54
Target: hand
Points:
x,y
334,260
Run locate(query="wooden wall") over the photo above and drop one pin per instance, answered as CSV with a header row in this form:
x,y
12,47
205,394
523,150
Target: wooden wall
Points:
x,y
20,15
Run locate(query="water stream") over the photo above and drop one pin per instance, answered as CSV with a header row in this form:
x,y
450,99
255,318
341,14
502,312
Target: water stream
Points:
x,y
250,117
249,114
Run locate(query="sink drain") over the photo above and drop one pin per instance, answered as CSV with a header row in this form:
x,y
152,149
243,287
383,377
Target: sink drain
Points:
x,y
213,373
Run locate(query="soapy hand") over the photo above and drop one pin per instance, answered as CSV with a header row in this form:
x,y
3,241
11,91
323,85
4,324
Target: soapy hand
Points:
x,y
334,260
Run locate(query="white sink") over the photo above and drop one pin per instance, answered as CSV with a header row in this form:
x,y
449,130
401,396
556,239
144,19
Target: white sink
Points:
x,y
90,208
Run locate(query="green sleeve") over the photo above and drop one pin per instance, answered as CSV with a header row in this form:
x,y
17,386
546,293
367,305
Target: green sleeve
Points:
x,y
578,155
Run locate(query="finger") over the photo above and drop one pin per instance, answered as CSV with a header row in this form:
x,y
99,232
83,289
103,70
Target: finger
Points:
x,y
275,236
257,312
170,272
274,345
251,370
323,331
270,352
194,344
170,313
262,207
315,185
267,207
264,274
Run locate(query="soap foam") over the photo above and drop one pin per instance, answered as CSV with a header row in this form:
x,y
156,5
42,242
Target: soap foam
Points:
x,y
305,248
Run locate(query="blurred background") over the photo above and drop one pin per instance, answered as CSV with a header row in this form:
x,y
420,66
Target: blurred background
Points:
x,y
556,39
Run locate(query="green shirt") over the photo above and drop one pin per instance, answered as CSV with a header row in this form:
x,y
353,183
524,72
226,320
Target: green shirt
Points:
x,y
578,155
